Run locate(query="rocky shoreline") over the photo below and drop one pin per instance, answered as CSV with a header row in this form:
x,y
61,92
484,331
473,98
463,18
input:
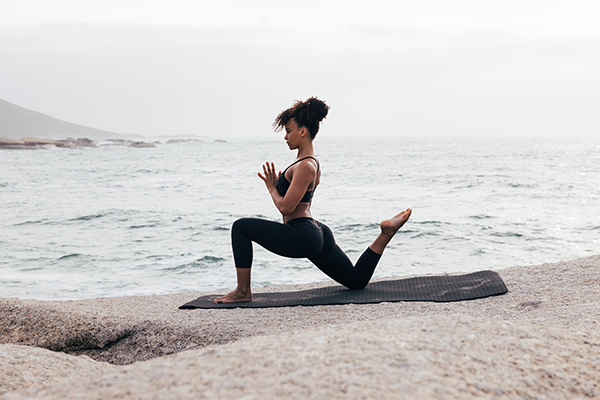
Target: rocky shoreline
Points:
x,y
32,143
540,340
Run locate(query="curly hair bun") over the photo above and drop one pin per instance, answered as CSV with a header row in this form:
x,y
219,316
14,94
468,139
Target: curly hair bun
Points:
x,y
307,114
318,107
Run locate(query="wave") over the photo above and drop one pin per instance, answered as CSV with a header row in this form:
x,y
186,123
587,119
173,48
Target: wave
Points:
x,y
35,222
481,216
506,234
348,227
46,221
103,214
31,269
89,217
177,268
424,234
203,263
522,185
151,225
429,222
211,259
74,255
478,252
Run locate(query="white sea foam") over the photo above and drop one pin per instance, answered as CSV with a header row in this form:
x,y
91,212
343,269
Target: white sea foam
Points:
x,y
121,221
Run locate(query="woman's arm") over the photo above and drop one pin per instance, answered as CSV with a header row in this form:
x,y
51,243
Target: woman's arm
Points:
x,y
304,174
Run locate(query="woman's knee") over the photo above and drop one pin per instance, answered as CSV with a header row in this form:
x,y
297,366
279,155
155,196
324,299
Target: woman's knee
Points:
x,y
357,285
240,224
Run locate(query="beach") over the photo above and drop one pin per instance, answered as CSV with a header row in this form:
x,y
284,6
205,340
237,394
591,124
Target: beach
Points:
x,y
540,340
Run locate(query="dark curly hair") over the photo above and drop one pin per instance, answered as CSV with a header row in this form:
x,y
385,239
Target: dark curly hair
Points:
x,y
306,114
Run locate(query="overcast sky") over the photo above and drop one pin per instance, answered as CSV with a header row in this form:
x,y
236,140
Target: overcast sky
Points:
x,y
227,68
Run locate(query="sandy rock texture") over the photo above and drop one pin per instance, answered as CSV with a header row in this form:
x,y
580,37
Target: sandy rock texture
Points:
x,y
433,357
24,366
540,340
123,330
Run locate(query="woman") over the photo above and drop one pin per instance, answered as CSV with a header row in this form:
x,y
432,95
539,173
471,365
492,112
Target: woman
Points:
x,y
300,235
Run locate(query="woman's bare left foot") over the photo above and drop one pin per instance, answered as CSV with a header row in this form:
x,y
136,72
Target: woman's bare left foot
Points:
x,y
237,296
390,226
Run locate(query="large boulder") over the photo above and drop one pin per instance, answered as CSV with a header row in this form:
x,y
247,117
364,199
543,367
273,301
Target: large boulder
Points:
x,y
10,143
141,144
85,142
171,141
37,141
117,142
66,143
28,143
32,143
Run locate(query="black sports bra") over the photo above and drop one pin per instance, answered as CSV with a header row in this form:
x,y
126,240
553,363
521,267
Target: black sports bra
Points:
x,y
283,185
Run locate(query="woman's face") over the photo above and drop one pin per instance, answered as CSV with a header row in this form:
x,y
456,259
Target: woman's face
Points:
x,y
292,134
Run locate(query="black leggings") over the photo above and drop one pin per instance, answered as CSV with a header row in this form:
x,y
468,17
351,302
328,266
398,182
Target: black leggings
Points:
x,y
300,238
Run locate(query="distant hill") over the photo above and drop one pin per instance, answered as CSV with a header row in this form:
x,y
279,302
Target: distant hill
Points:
x,y
19,122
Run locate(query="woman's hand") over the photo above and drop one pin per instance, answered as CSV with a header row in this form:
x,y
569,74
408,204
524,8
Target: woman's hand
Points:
x,y
270,178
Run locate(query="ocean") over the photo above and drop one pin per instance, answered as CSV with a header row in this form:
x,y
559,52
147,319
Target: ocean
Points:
x,y
119,221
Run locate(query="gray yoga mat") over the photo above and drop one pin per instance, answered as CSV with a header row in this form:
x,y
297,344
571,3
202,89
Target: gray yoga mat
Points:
x,y
443,288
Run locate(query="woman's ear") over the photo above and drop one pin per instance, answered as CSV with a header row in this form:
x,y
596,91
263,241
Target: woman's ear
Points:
x,y
303,131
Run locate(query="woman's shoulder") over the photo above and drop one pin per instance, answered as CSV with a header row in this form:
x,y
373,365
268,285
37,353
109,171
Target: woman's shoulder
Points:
x,y
309,162
307,165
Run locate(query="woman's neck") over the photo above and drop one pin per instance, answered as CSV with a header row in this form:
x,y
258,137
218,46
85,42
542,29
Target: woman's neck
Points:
x,y
306,150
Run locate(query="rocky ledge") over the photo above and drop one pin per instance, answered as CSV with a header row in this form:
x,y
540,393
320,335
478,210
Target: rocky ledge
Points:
x,y
540,340
31,143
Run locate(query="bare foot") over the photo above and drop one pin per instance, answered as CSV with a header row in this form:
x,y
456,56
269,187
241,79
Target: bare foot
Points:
x,y
237,296
389,227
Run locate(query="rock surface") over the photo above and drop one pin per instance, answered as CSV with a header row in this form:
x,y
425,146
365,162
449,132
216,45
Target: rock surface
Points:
x,y
434,357
540,340
23,367
27,143
141,145
85,142
171,141
123,330
31,143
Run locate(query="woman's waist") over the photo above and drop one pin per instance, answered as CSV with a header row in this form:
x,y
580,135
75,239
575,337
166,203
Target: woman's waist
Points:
x,y
304,222
301,211
300,219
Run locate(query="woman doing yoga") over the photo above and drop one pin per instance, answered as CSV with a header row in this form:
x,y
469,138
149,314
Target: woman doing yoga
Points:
x,y
300,236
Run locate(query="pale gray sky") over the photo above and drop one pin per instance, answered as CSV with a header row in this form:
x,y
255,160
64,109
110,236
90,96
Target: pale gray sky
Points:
x,y
226,68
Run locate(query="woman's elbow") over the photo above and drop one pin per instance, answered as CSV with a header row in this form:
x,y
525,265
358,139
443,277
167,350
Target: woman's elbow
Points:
x,y
285,210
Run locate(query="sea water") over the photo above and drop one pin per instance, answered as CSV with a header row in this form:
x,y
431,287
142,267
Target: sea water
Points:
x,y
115,221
